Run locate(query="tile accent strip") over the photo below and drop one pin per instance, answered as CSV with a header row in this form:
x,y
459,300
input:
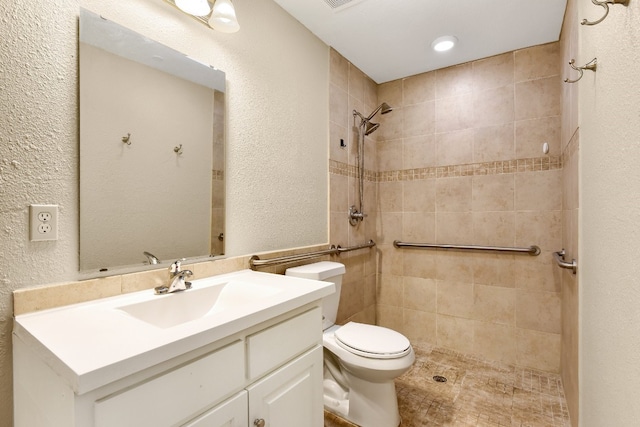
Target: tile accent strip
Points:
x,y
499,167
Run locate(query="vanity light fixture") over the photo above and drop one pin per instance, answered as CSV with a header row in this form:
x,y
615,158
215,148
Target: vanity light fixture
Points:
x,y
194,7
221,17
444,43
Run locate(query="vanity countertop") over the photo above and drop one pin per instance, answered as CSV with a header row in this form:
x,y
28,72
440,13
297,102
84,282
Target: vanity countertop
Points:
x,y
95,343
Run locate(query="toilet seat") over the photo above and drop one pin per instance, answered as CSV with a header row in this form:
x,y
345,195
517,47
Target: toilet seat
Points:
x,y
374,342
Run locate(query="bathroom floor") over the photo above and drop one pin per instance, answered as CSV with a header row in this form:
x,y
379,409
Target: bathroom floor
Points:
x,y
476,393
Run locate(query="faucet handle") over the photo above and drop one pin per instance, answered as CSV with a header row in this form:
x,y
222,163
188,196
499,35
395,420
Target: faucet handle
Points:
x,y
176,266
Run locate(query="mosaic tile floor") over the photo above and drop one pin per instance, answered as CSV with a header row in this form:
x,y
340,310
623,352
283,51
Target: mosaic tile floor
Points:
x,y
477,393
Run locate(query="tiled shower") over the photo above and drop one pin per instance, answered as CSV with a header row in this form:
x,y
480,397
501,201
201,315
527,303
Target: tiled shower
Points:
x,y
459,161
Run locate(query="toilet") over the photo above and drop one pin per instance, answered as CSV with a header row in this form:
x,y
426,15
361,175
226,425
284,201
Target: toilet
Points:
x,y
360,361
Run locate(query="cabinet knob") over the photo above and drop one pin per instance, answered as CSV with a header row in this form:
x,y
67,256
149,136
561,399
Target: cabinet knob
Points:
x,y
259,422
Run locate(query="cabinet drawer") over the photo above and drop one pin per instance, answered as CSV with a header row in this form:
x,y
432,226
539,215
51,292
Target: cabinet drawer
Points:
x,y
177,395
274,346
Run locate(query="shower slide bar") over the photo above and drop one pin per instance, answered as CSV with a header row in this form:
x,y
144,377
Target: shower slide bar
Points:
x,y
532,250
255,261
559,257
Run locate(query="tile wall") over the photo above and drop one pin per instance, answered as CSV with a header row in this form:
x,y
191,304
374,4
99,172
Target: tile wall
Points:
x,y
460,160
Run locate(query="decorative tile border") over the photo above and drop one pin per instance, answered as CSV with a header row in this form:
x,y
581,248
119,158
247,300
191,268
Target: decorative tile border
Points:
x,y
217,175
499,167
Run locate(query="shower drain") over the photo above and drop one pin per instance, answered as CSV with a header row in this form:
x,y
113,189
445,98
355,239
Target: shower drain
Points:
x,y
439,379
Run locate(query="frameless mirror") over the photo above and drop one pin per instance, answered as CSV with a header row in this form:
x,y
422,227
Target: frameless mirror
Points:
x,y
151,151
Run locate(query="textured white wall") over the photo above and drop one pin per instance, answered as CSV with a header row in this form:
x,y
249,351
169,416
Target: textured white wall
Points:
x,y
277,79
610,218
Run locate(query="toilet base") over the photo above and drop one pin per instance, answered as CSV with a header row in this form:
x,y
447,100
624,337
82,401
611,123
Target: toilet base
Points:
x,y
366,404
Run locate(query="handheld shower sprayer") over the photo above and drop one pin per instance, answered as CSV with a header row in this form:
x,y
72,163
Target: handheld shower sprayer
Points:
x,y
366,127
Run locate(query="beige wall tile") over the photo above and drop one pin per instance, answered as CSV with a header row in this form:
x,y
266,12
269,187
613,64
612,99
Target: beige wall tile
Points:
x,y
390,290
455,333
390,317
543,229
538,350
389,227
339,195
454,147
390,196
539,191
494,143
454,266
351,299
336,152
390,260
532,133
493,72
494,228
338,70
338,105
539,311
391,93
356,83
454,81
389,155
391,124
495,342
419,119
538,273
454,227
455,299
420,294
538,98
419,88
454,113
419,326
453,194
538,61
418,263
493,106
494,304
494,269
493,193
420,195
418,227
418,152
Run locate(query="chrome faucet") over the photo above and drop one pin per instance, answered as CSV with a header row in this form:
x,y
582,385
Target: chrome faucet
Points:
x,y
176,279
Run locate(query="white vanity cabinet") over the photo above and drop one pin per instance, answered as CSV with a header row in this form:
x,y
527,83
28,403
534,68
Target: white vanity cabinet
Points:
x,y
267,375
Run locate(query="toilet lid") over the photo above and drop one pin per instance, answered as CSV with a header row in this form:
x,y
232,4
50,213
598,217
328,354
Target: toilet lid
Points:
x,y
371,341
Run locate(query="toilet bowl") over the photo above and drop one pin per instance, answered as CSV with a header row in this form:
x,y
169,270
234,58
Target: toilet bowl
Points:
x,y
361,361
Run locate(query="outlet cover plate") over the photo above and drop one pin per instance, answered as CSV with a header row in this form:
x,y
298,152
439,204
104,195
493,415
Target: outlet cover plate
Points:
x,y
43,222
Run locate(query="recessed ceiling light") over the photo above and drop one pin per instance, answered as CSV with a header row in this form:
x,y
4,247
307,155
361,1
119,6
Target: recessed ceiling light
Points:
x,y
444,43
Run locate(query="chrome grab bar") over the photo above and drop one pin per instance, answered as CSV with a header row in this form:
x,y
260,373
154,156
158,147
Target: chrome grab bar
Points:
x,y
255,260
559,257
532,250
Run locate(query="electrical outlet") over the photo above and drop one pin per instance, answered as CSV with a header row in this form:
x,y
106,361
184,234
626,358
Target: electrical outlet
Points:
x,y
43,222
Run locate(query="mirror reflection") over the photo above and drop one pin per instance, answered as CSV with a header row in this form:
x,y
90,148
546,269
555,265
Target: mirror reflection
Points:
x,y
151,151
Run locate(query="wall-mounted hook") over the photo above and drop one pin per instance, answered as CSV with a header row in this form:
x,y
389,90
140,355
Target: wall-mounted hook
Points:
x,y
178,149
604,4
591,65
127,139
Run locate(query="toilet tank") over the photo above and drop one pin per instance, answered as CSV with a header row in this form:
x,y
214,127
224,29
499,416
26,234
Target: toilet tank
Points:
x,y
325,271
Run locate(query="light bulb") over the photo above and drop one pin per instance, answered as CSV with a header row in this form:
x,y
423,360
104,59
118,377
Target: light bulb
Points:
x,y
194,7
444,43
223,18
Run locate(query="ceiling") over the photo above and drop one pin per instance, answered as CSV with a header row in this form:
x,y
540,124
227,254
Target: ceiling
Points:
x,y
391,39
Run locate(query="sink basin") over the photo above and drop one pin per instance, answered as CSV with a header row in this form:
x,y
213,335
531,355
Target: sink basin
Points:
x,y
169,310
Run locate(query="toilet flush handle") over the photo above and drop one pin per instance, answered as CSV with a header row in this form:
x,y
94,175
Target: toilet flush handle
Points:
x,y
259,422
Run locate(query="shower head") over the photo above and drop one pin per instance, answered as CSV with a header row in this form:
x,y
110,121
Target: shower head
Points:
x,y
370,127
383,108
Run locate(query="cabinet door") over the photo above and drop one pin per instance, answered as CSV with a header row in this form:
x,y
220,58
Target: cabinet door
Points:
x,y
230,413
290,396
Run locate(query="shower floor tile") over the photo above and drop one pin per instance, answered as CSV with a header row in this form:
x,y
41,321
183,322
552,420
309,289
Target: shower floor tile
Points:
x,y
477,393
